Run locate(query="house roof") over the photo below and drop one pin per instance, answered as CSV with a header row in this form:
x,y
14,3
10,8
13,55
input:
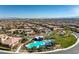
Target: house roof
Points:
x,y
12,40
15,39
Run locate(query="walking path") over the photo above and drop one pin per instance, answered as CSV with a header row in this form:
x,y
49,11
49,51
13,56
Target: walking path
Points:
x,y
18,49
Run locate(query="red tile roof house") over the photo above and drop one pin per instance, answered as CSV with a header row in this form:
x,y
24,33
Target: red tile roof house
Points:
x,y
11,41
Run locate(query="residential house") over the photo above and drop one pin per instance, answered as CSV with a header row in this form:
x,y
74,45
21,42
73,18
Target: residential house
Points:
x,y
8,41
12,41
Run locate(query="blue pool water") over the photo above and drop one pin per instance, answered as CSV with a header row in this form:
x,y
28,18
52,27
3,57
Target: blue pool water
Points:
x,y
38,44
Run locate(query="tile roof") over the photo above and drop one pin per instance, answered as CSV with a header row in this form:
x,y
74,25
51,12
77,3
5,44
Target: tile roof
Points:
x,y
12,40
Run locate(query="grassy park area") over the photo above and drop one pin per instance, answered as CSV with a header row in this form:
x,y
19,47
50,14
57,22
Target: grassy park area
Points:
x,y
64,40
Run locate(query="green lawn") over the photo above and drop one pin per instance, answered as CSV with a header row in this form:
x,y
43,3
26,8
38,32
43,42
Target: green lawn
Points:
x,y
64,40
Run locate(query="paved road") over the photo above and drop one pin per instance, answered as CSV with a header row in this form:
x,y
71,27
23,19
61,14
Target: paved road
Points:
x,y
74,50
3,52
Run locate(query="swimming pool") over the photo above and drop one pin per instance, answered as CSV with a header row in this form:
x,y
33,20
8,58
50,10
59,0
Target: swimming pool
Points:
x,y
38,44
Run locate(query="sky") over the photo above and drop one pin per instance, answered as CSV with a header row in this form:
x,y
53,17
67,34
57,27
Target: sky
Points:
x,y
39,11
